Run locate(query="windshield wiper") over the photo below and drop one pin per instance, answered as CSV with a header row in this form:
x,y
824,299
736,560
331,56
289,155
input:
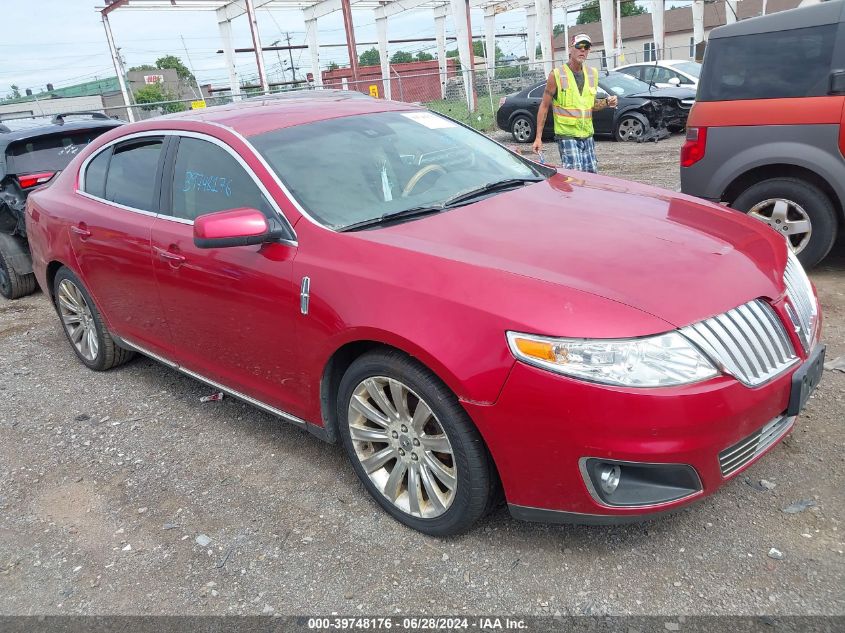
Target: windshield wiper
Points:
x,y
413,212
490,187
454,201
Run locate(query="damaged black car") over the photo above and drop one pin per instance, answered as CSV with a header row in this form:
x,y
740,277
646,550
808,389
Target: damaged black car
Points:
x,y
32,152
644,112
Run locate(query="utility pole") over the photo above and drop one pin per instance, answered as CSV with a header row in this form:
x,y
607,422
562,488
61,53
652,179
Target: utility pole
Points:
x,y
290,52
279,58
200,96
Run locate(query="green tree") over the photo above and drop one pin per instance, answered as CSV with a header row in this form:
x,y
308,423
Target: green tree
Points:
x,y
590,11
332,66
16,92
144,67
154,93
369,57
558,29
401,57
171,61
422,56
477,50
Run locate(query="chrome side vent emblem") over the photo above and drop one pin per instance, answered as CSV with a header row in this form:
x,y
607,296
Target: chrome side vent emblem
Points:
x,y
304,295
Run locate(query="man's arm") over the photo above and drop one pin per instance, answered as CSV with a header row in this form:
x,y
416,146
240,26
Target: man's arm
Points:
x,y
601,104
542,113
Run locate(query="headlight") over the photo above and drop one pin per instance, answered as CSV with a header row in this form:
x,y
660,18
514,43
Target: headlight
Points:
x,y
656,361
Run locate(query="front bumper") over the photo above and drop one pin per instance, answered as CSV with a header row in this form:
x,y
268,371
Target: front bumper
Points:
x,y
544,425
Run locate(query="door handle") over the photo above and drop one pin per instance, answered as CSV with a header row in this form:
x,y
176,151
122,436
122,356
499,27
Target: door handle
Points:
x,y
81,231
174,258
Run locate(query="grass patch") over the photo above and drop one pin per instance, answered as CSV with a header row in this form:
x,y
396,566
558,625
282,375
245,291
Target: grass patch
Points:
x,y
483,119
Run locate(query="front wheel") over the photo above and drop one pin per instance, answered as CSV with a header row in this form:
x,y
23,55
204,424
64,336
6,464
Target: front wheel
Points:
x,y
413,446
83,324
631,127
523,129
796,209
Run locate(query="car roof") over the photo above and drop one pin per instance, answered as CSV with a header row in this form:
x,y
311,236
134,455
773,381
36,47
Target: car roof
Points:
x,y
12,130
249,118
801,17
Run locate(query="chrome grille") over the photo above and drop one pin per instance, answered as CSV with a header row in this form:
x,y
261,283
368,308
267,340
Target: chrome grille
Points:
x,y
800,294
748,342
735,457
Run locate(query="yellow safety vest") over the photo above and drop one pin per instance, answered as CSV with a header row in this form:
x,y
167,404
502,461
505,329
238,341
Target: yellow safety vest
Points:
x,y
573,111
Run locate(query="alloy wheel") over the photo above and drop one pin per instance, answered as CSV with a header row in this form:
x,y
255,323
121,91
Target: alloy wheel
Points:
x,y
787,218
78,321
402,447
630,129
522,130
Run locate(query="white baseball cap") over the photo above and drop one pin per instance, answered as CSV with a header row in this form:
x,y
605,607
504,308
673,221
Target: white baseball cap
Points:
x,y
581,37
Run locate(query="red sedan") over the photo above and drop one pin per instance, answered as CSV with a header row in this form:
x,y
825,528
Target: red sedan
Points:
x,y
467,323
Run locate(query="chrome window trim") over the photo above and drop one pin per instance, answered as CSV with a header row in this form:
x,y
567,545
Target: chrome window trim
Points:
x,y
232,392
202,137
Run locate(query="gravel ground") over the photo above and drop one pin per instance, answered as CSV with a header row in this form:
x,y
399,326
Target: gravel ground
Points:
x,y
109,480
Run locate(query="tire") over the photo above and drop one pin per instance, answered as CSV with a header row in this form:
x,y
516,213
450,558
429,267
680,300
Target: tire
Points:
x,y
13,285
792,204
523,129
630,127
370,391
79,315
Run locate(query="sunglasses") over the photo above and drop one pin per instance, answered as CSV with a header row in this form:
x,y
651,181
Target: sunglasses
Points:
x,y
582,46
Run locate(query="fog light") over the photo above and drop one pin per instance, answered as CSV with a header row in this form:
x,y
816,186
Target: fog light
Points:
x,y
609,477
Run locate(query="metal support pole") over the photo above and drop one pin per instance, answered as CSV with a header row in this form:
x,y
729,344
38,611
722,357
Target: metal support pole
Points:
x,y
118,68
349,27
256,42
608,32
463,31
314,50
490,41
531,25
698,21
657,27
381,25
730,11
225,27
440,36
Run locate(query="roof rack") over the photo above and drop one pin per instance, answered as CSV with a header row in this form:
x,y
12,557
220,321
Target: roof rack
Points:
x,y
59,119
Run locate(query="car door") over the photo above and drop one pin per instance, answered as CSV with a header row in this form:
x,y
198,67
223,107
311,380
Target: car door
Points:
x,y
110,237
603,119
232,311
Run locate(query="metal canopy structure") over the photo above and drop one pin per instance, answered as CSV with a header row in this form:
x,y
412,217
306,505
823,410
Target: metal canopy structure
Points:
x,y
538,15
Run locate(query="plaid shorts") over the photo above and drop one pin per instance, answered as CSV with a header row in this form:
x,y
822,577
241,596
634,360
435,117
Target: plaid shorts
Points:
x,y
578,153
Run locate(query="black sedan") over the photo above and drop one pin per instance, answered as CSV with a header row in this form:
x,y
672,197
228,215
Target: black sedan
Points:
x,y
642,110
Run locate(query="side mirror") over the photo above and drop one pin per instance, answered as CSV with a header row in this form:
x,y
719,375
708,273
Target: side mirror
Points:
x,y
237,227
675,81
601,94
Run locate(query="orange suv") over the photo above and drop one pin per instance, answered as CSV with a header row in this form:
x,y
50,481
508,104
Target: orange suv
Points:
x,y
767,132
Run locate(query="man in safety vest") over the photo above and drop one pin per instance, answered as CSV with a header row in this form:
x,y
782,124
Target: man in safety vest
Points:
x,y
571,91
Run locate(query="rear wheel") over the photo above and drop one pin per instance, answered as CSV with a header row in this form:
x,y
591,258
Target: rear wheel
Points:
x,y
631,127
413,446
796,209
84,326
13,285
523,129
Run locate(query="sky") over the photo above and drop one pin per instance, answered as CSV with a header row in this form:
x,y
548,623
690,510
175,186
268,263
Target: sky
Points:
x,y
65,43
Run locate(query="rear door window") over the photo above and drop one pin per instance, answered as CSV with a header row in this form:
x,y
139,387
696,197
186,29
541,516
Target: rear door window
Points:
x,y
133,173
207,179
776,65
51,152
95,174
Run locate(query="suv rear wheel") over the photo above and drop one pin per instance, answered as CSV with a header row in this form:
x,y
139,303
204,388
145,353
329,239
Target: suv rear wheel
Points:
x,y
13,285
796,209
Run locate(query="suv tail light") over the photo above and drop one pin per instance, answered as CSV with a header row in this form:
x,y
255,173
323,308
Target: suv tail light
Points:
x,y
694,147
28,181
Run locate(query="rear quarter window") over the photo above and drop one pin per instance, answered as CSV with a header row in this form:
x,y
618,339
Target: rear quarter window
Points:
x,y
51,152
782,64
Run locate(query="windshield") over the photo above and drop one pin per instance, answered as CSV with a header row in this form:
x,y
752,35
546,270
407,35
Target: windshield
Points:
x,y
51,152
620,84
352,169
693,69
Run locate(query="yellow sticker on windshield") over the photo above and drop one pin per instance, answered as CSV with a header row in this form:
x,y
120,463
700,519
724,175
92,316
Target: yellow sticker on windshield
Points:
x,y
431,121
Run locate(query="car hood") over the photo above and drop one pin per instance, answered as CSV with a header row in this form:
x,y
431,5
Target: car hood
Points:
x,y
672,256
